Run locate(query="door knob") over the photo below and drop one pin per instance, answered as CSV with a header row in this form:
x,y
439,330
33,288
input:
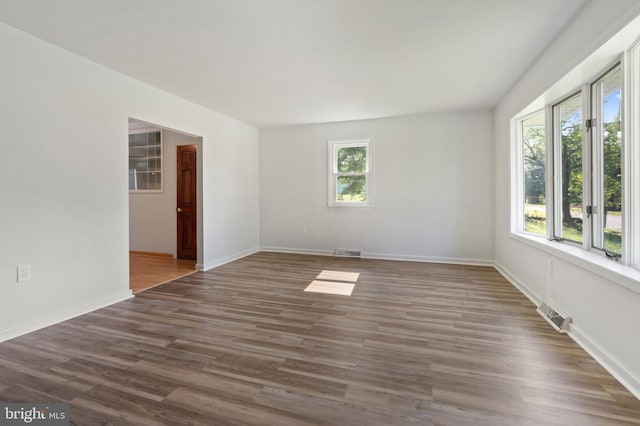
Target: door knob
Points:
x,y
179,210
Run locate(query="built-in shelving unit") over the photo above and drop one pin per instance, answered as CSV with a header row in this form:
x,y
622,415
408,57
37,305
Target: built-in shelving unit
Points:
x,y
145,161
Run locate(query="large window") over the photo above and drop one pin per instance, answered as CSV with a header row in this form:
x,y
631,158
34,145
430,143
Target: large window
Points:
x,y
586,126
350,173
585,189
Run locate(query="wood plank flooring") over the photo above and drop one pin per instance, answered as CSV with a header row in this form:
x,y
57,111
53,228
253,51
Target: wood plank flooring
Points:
x,y
147,270
243,344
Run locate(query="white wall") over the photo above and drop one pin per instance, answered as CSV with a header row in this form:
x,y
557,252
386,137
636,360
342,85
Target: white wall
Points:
x,y
63,179
606,316
152,216
433,189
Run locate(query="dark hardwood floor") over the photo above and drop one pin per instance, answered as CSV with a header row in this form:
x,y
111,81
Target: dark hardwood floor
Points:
x,y
243,344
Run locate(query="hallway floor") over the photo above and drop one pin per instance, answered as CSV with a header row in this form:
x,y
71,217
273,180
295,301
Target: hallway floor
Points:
x,y
147,270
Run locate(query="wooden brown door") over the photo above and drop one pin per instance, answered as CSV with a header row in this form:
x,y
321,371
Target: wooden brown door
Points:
x,y
186,210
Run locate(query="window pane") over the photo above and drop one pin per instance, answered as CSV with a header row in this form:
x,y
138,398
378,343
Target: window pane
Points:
x,y
608,182
154,181
133,184
351,188
352,159
533,152
145,161
569,114
138,139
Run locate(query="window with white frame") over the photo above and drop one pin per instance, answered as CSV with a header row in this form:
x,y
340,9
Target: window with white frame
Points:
x,y
585,153
605,129
631,157
533,157
568,181
350,173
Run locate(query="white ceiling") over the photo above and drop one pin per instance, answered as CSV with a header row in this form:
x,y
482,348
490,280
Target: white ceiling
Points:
x,y
281,62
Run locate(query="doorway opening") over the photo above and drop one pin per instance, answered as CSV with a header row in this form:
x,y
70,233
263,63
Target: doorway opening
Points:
x,y
164,202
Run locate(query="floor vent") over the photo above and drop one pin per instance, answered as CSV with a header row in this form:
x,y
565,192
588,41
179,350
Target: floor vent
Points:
x,y
557,320
348,253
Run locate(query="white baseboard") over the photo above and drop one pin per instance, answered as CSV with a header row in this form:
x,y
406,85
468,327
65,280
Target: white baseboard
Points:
x,y
297,251
226,259
37,324
384,256
33,325
606,360
517,283
428,259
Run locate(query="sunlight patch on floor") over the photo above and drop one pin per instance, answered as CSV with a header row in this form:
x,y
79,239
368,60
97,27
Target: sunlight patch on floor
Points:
x,y
351,277
334,282
330,287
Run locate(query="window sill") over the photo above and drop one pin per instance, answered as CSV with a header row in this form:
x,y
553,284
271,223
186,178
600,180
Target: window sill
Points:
x,y
622,275
146,191
352,206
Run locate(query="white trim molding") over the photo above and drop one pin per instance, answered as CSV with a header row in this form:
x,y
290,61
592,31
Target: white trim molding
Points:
x,y
386,256
518,284
37,324
601,355
226,259
297,251
625,276
428,259
606,360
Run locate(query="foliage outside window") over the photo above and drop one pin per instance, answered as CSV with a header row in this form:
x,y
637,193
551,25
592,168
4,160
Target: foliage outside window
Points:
x,y
586,196
592,193
606,134
350,171
145,162
534,158
567,122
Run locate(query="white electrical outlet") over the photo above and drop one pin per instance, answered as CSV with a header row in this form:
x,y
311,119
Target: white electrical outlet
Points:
x,y
24,272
